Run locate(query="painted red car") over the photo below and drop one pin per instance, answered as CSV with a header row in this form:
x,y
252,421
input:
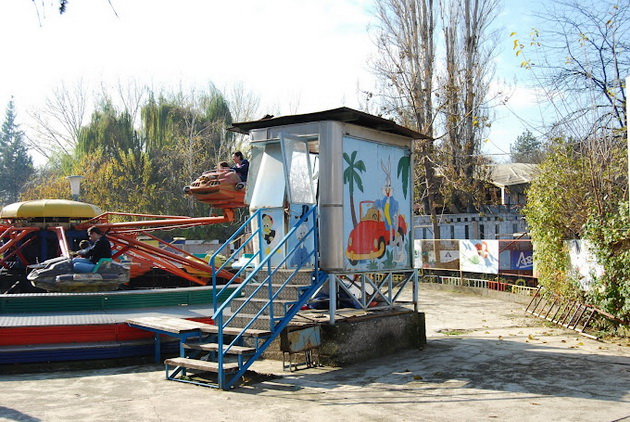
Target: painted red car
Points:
x,y
370,237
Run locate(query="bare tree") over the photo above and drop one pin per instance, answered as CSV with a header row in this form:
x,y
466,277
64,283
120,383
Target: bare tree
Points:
x,y
464,88
581,58
416,95
132,96
244,106
58,123
405,38
584,53
406,42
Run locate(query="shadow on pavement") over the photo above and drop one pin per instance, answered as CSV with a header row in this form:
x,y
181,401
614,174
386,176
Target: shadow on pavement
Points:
x,y
476,364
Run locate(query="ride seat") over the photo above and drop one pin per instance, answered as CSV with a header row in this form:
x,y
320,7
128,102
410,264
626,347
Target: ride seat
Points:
x,y
99,263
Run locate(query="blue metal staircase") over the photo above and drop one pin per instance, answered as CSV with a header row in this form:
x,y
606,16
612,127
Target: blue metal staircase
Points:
x,y
240,336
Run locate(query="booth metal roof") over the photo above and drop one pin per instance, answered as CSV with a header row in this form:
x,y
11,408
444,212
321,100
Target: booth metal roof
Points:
x,y
342,114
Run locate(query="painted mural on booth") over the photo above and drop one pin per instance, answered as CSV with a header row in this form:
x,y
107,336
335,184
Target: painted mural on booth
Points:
x,y
272,231
300,248
377,206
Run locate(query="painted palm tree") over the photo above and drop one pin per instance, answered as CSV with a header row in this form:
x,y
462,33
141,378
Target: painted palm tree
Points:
x,y
350,177
403,170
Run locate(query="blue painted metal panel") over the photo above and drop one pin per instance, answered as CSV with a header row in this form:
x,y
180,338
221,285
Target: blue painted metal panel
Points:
x,y
301,340
84,352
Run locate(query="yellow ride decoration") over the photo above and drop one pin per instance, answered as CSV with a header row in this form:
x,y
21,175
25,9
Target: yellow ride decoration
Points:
x,y
49,211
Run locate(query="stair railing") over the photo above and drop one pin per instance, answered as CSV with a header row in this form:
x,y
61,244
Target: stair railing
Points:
x,y
248,240
264,267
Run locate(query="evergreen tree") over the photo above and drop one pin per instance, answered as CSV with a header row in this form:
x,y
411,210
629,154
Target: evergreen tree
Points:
x,y
527,149
16,166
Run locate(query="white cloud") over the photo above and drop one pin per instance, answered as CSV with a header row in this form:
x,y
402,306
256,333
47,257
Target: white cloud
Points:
x,y
315,50
307,52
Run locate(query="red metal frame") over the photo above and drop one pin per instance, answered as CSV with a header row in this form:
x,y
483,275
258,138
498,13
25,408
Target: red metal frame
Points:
x,y
124,237
15,235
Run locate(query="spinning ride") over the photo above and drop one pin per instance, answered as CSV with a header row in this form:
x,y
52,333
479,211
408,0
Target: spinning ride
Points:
x,y
33,232
220,188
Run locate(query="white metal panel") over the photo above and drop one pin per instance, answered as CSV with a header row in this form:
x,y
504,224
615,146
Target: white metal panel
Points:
x,y
301,189
269,191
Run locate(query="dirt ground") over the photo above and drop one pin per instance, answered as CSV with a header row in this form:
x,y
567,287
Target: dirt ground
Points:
x,y
485,360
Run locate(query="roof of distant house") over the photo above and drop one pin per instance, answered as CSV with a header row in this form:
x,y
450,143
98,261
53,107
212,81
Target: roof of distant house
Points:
x,y
511,174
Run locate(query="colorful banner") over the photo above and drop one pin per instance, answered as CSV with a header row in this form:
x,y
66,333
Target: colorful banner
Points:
x,y
479,256
510,257
516,257
522,260
439,254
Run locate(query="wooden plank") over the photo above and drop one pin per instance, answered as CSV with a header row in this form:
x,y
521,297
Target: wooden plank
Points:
x,y
168,328
250,332
171,325
214,347
179,325
201,365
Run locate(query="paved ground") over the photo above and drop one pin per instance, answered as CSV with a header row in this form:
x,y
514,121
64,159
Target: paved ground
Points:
x,y
485,360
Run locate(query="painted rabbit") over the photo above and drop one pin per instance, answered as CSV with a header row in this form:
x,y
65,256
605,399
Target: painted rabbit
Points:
x,y
388,204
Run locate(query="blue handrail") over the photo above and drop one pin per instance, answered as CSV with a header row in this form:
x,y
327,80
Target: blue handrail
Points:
x,y
231,259
265,263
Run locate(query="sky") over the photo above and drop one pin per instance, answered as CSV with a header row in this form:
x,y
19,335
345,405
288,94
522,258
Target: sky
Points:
x,y
297,56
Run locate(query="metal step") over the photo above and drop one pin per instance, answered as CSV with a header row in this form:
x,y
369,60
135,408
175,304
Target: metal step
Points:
x,y
290,292
301,278
200,365
233,331
261,323
253,306
214,347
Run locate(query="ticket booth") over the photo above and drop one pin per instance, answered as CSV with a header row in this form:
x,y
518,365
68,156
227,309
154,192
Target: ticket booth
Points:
x,y
356,167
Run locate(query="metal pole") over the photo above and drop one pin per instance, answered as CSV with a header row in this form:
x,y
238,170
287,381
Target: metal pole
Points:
x,y
416,286
332,298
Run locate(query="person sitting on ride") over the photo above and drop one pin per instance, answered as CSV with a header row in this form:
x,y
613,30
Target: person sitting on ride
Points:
x,y
241,165
228,175
100,249
84,246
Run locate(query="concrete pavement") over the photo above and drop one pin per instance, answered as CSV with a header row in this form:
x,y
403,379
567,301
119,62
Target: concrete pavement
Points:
x,y
485,360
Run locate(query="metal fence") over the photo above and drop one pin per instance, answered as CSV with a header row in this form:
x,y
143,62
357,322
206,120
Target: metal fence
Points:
x,y
497,285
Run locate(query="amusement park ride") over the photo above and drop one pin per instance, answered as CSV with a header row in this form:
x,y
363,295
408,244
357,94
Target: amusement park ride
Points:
x,y
40,236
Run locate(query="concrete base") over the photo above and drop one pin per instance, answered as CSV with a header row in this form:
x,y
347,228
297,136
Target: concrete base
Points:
x,y
363,338
358,336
